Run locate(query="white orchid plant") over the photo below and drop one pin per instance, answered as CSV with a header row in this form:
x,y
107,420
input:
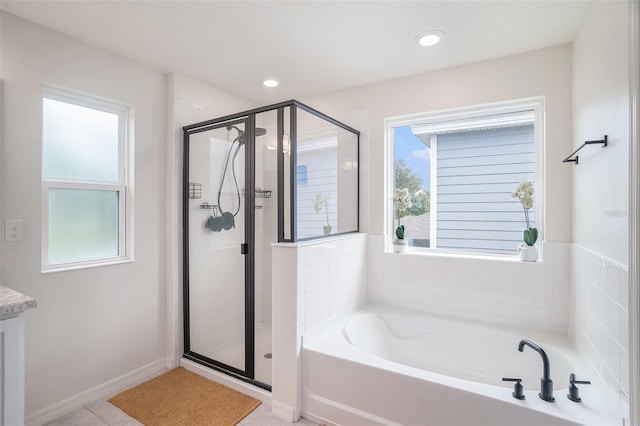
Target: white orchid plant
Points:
x,y
401,202
320,202
524,193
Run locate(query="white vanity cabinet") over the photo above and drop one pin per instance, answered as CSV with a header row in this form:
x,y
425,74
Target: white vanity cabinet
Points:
x,y
12,307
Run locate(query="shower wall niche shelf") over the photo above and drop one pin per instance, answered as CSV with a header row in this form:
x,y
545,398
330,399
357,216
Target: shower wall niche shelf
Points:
x,y
602,141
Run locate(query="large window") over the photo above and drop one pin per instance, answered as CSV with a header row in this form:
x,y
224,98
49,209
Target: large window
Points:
x,y
460,168
84,180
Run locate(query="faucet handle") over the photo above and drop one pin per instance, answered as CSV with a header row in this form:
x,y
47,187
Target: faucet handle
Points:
x,y
518,391
574,393
572,380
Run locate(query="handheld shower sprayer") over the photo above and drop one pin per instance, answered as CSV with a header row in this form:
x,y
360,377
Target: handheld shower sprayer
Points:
x,y
226,219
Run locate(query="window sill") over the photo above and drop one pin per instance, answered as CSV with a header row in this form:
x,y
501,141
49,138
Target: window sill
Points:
x,y
68,268
468,256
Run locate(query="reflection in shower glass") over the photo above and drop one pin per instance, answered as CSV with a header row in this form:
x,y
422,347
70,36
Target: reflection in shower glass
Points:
x,y
327,177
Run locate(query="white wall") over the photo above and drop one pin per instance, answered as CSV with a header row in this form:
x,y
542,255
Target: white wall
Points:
x,y
534,295
601,106
600,197
91,325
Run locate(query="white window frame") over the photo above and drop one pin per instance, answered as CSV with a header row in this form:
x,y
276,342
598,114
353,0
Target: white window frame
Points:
x,y
535,104
124,185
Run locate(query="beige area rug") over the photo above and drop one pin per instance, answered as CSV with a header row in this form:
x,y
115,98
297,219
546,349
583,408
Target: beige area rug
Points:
x,y
181,397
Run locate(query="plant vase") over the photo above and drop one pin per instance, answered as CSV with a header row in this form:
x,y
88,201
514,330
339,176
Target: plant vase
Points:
x,y
400,245
528,253
326,229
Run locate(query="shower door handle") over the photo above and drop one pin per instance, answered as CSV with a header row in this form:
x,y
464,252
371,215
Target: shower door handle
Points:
x,y
244,248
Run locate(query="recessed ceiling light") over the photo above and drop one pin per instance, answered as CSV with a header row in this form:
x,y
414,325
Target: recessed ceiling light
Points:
x,y
270,82
429,38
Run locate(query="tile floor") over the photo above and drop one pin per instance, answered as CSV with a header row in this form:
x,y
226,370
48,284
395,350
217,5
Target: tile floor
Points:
x,y
101,413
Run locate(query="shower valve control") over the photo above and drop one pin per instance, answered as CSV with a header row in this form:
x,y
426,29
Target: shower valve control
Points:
x,y
574,392
518,391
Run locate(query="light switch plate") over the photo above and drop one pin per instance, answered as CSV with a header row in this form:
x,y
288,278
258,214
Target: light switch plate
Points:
x,y
13,230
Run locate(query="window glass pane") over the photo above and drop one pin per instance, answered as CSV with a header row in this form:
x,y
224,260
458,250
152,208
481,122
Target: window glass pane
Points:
x,y
79,142
460,176
83,224
317,190
477,171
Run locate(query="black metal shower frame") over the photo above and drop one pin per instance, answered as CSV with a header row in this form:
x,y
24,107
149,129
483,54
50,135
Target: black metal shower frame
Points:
x,y
248,119
248,373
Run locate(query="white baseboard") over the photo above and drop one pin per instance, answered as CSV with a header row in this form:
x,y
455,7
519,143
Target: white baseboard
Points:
x,y
224,379
110,387
284,411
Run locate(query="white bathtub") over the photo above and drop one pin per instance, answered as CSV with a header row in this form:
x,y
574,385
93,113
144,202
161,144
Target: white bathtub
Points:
x,y
384,366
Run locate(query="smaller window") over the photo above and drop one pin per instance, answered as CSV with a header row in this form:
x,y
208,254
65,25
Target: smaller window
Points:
x,y
460,169
84,181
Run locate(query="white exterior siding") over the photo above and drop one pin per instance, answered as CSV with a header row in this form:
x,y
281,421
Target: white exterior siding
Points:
x,y
476,173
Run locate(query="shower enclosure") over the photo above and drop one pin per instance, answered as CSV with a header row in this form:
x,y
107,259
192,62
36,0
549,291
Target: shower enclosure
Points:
x,y
280,173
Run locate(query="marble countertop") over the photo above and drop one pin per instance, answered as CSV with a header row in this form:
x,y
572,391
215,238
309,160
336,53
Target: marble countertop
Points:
x,y
12,302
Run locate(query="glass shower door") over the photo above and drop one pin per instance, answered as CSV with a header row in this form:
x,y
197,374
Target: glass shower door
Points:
x,y
216,250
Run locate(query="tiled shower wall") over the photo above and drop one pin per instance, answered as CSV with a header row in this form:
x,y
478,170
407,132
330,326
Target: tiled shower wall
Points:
x,y
334,283
601,322
533,295
313,283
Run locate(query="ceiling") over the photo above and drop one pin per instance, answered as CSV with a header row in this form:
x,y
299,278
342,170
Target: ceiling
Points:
x,y
312,47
